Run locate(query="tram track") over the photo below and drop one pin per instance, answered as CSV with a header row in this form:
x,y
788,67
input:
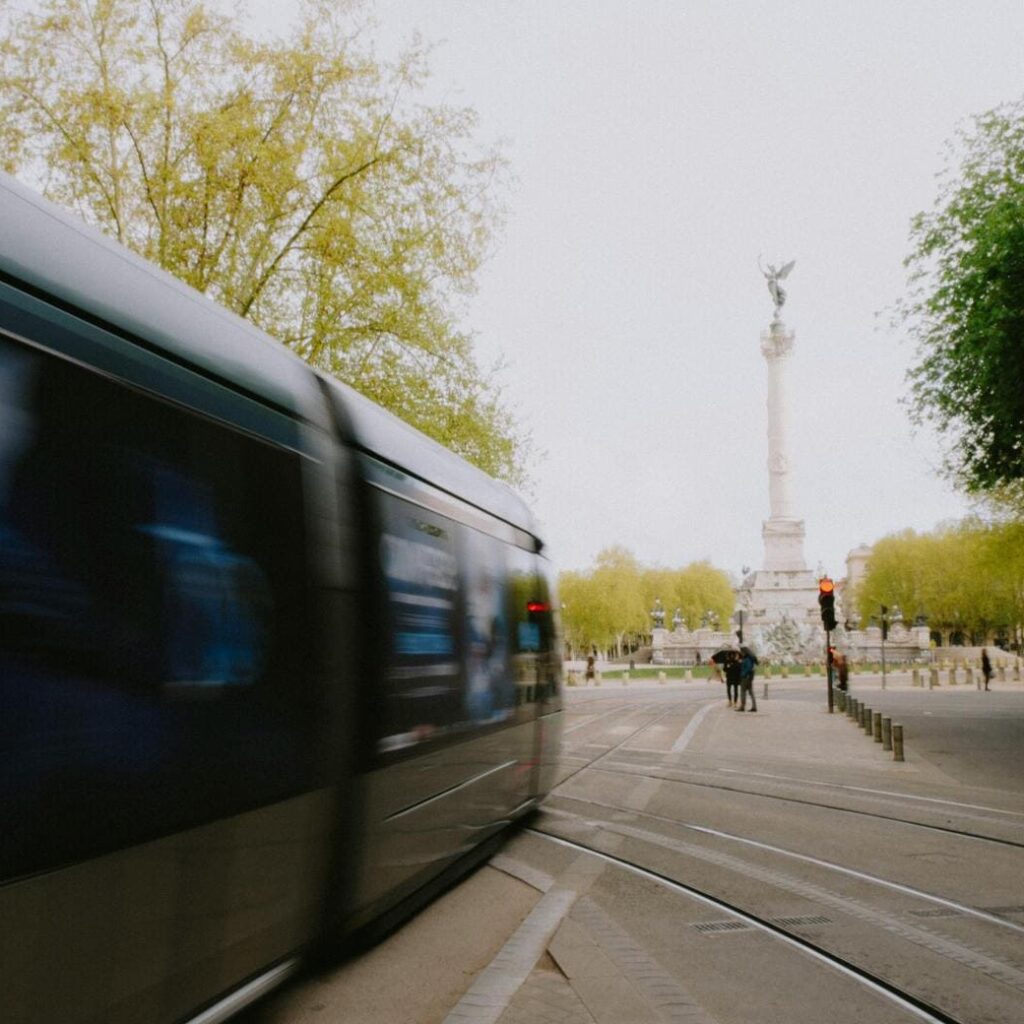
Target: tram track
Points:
x,y
822,896
674,776
1007,821
748,841
919,1008
715,864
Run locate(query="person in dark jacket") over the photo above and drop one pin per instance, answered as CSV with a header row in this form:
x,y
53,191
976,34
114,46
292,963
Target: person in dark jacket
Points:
x,y
732,678
986,667
748,668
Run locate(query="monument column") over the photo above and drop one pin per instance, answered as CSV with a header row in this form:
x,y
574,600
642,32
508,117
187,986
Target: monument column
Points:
x,y
781,599
776,344
782,531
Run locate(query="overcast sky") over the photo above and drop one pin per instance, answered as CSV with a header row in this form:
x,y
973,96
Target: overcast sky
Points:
x,y
659,149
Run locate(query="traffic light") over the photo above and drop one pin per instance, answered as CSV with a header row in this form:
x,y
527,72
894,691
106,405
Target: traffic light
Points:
x,y
827,602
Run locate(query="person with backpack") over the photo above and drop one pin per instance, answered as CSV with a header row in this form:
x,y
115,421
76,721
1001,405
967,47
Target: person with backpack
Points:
x,y
748,668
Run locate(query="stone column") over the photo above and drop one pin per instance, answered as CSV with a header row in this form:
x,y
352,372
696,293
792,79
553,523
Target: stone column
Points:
x,y
783,532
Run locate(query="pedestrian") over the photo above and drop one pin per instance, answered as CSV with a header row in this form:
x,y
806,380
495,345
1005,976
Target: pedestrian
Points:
x,y
843,669
748,668
732,678
590,669
716,671
986,666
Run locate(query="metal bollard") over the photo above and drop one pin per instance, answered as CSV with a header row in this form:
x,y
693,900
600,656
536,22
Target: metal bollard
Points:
x,y
625,679
867,721
916,677
897,742
887,733
933,678
661,677
841,696
969,675
876,726
952,675
854,709
764,690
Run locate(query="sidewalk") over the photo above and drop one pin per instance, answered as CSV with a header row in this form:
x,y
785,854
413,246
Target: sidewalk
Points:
x,y
784,730
794,731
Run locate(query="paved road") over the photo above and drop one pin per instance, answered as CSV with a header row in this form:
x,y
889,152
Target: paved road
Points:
x,y
698,865
975,737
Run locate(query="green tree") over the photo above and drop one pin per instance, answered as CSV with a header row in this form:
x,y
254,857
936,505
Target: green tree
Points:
x,y
301,183
965,577
608,606
965,306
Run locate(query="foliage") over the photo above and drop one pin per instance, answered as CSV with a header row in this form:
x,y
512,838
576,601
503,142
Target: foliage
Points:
x,y
608,606
298,182
967,576
965,308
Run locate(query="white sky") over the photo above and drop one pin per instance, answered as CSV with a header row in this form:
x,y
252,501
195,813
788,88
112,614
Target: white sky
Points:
x,y
659,148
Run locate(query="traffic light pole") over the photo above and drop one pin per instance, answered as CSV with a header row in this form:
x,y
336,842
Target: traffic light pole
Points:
x,y
828,666
827,603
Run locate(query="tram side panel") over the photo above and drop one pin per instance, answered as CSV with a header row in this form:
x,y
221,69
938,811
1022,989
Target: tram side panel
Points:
x,y
164,799
453,730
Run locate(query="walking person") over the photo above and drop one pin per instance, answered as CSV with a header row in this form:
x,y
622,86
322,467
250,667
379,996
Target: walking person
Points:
x,y
589,675
843,669
986,666
732,678
748,668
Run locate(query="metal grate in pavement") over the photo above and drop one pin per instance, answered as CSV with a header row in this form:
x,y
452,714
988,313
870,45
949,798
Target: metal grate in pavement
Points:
x,y
803,919
710,927
939,912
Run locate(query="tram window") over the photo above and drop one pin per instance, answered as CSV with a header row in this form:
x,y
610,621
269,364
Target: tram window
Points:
x,y
527,638
419,563
490,693
549,624
151,601
448,612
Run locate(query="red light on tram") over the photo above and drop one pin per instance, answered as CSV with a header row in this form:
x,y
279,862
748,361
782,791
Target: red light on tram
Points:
x,y
537,606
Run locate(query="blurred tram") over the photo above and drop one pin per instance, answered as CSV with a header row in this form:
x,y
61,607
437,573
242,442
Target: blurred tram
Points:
x,y
274,666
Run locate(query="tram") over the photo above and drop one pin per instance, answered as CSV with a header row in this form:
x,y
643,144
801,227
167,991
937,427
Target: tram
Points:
x,y
274,666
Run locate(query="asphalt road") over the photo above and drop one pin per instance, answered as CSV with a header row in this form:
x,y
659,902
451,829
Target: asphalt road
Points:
x,y
974,737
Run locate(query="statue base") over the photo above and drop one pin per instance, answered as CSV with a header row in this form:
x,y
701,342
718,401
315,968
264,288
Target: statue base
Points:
x,y
783,544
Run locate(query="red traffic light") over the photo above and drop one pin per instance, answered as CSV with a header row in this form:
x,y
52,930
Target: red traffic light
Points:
x,y
827,600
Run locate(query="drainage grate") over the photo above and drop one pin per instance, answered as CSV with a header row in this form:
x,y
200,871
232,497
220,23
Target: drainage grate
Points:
x,y
804,919
722,926
940,912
